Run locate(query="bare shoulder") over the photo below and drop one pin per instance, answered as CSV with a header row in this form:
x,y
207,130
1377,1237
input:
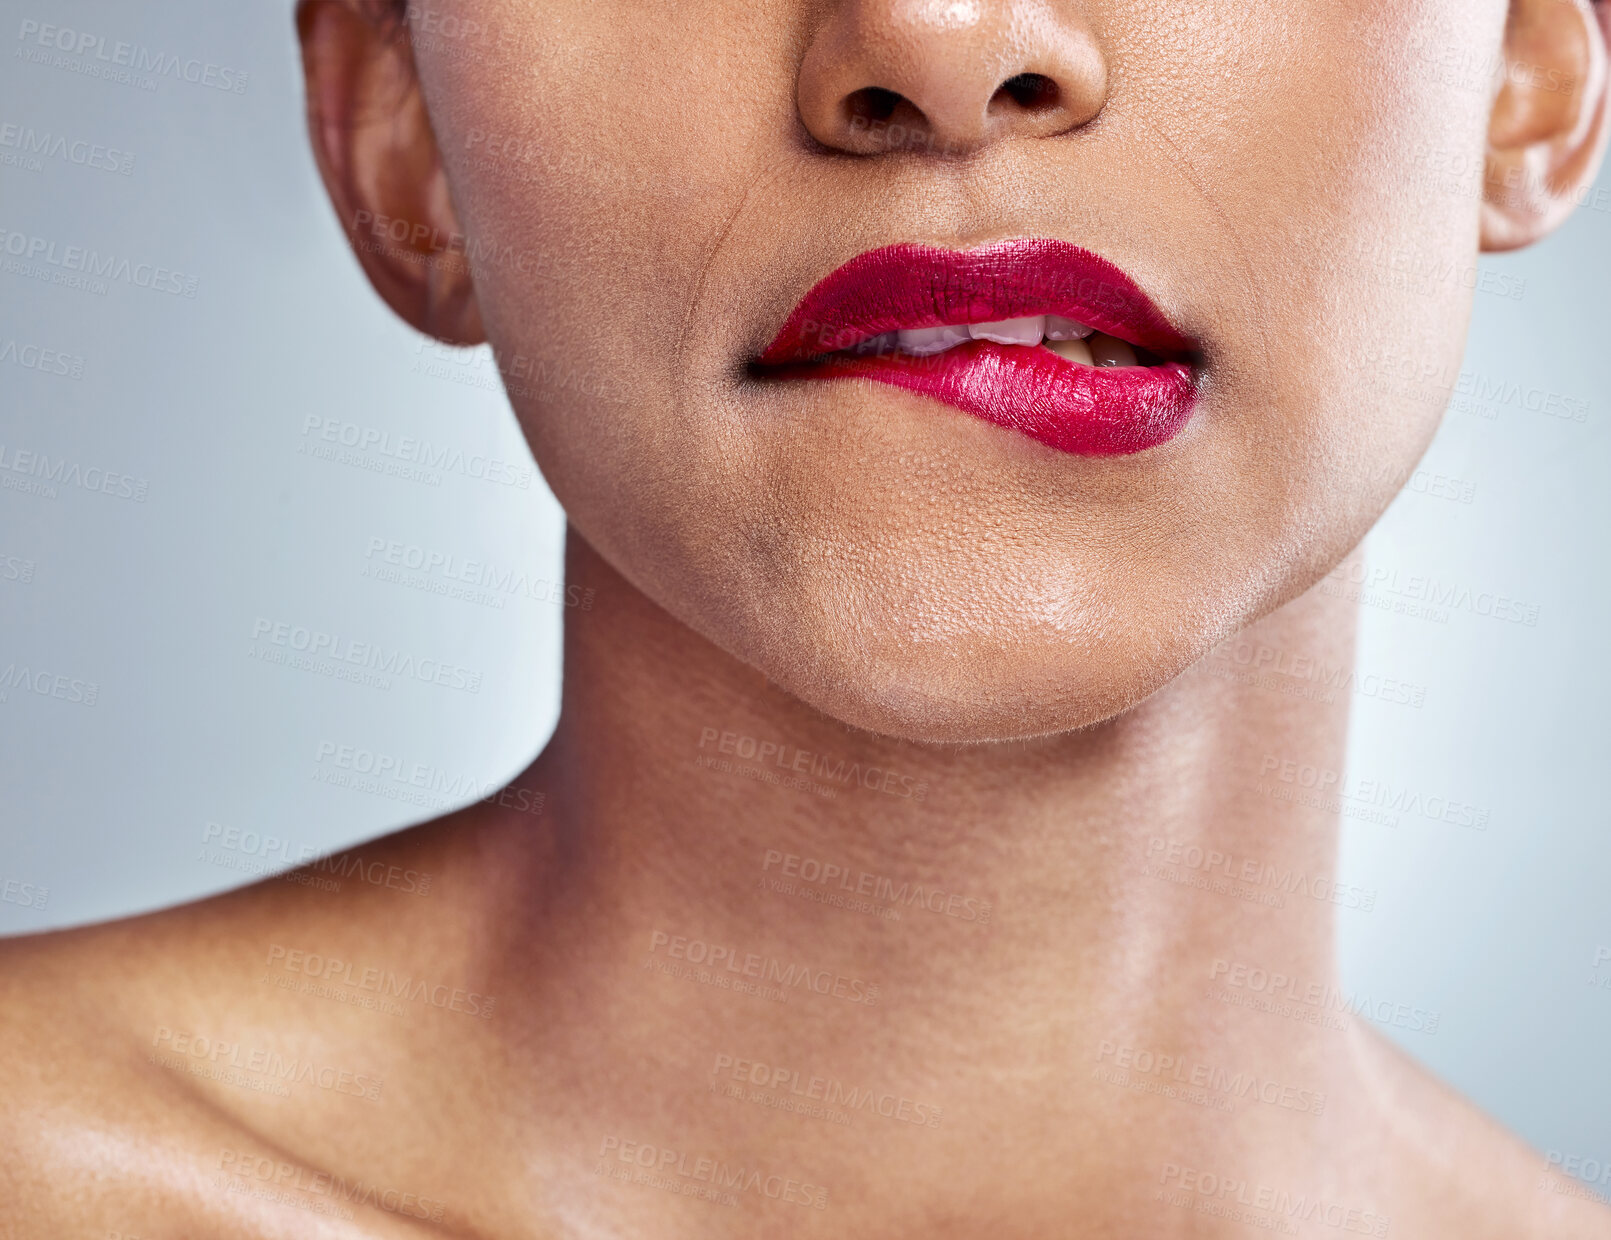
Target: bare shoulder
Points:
x,y
94,1133
1461,1172
226,1064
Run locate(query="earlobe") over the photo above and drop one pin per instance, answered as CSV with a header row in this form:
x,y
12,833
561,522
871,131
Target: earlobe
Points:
x,y
1548,128
378,156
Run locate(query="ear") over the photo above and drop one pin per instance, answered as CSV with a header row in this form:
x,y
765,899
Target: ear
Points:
x,y
375,149
1548,128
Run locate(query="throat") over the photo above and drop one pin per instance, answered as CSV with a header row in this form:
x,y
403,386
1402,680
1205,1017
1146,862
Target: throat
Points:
x,y
844,892
743,932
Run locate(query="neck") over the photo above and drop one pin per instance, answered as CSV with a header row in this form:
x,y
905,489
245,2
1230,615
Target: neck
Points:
x,y
999,931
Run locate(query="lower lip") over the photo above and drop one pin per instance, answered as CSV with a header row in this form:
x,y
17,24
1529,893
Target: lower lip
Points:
x,y
1089,410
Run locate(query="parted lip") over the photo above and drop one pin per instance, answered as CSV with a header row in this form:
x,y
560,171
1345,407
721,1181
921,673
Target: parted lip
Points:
x,y
1085,409
911,286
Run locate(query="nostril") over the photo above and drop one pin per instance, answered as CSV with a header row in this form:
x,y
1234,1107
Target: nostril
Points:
x,y
883,120
1034,92
871,103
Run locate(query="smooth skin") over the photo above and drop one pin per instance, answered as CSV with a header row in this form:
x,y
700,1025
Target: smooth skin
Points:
x,y
631,197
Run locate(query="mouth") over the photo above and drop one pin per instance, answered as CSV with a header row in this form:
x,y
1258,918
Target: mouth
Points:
x,y
1035,335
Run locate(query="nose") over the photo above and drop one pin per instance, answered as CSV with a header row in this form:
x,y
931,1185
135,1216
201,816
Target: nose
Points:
x,y
949,76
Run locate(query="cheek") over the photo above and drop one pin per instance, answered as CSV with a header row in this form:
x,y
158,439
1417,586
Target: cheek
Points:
x,y
1344,195
605,145
596,161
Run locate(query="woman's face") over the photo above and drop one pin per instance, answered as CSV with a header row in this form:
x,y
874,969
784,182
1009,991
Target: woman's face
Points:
x,y
650,188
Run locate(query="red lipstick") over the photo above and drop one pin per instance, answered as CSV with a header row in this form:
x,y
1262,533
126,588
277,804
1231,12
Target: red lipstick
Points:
x,y
1093,410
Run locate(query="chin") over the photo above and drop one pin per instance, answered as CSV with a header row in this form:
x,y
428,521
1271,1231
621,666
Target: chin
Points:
x,y
976,688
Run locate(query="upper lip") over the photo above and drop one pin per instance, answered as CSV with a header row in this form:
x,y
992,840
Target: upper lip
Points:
x,y
910,286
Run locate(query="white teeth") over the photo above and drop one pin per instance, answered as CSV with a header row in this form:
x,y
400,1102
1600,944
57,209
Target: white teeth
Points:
x,y
1011,331
1059,328
885,343
1073,350
927,341
1067,338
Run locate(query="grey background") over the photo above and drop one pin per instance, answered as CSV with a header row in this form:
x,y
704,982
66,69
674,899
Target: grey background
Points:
x,y
205,398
